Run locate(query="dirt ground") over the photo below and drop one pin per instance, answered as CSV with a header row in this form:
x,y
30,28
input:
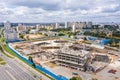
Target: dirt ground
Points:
x,y
51,65
32,36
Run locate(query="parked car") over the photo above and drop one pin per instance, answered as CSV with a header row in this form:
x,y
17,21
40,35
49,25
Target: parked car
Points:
x,y
75,73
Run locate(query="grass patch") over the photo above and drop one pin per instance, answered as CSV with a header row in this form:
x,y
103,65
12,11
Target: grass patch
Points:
x,y
2,63
4,48
4,52
8,50
1,59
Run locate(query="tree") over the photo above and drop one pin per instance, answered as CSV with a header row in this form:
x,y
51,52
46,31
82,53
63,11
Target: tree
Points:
x,y
85,38
76,78
42,29
73,78
61,34
45,34
30,58
21,36
34,65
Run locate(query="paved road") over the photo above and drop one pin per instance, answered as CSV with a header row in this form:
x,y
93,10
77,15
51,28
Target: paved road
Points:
x,y
13,71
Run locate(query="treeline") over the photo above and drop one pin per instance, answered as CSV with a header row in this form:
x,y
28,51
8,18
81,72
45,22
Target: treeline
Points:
x,y
114,40
95,34
61,29
115,34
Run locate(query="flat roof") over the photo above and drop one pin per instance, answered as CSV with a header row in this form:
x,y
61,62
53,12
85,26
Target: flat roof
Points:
x,y
74,52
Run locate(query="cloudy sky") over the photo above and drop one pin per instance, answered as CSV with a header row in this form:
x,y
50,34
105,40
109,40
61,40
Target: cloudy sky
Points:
x,y
59,10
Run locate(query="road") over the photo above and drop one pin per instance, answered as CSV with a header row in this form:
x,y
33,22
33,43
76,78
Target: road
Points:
x,y
13,70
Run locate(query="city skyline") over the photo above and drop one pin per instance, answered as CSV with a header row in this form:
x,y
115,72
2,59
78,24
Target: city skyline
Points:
x,y
57,51
59,10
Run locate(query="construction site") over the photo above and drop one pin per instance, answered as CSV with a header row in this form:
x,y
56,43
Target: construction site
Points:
x,y
82,58
57,54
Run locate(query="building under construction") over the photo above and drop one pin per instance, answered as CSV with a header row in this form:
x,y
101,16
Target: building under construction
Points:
x,y
80,59
71,58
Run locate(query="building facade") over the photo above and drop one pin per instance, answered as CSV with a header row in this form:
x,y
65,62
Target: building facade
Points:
x,y
72,59
81,59
10,33
89,24
57,25
73,28
66,25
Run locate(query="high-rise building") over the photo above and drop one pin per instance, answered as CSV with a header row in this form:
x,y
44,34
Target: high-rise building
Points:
x,y
10,33
89,24
83,25
7,26
21,28
57,25
73,28
37,27
66,26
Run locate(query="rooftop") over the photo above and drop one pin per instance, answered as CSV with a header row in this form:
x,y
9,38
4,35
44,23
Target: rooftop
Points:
x,y
74,52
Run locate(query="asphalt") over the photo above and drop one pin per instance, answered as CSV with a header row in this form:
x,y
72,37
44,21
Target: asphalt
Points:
x,y
14,71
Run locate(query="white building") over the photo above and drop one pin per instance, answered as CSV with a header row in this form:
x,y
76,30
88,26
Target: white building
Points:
x,y
37,27
57,25
10,33
73,28
66,26
7,26
101,26
33,31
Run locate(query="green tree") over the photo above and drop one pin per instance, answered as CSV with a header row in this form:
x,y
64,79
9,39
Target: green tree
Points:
x,y
73,78
30,58
45,34
61,34
34,65
21,36
76,78
94,79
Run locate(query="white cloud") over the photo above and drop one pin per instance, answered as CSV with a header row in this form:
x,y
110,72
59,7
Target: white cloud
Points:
x,y
59,10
